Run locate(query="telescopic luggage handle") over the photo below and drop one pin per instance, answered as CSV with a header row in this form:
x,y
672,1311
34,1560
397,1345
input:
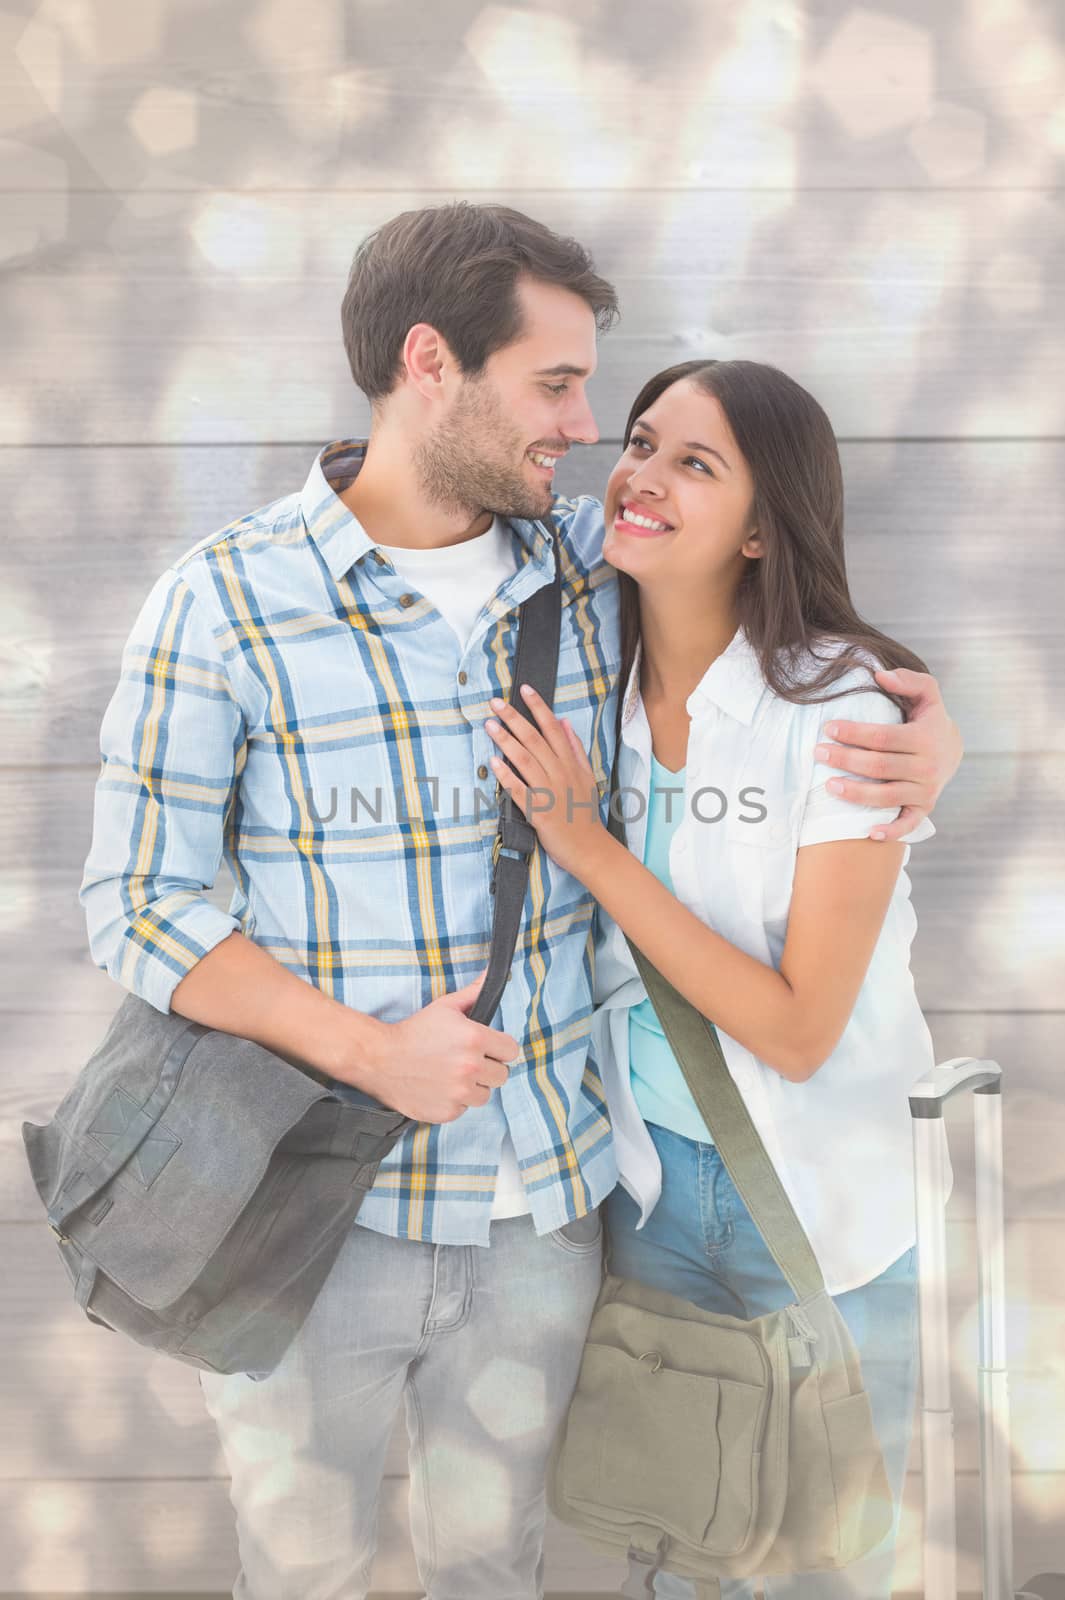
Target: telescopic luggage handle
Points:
x,y
927,1099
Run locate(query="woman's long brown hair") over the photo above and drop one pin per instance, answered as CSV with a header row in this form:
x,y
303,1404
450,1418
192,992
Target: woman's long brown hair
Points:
x,y
795,596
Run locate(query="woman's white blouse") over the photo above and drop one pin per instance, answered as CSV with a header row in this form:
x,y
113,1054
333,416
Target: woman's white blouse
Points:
x,y
754,794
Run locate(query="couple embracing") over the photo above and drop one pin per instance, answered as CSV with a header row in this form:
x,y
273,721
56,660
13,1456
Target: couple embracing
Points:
x,y
358,634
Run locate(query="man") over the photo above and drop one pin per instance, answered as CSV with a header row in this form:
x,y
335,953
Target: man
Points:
x,y
305,692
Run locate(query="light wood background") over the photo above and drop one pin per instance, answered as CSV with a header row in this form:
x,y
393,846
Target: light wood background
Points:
x,y
867,196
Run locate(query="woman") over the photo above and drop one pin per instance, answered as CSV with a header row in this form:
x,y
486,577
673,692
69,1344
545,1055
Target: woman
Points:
x,y
746,881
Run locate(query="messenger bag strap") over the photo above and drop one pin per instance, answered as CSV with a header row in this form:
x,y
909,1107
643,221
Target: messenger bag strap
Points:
x,y
535,662
694,1041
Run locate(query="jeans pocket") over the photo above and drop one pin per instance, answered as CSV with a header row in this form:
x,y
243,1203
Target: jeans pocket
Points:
x,y
582,1236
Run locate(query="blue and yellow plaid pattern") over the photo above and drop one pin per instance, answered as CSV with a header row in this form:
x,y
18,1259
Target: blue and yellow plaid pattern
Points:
x,y
285,702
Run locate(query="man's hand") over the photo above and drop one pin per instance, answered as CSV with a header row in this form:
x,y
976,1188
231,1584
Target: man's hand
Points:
x,y
436,1063
913,761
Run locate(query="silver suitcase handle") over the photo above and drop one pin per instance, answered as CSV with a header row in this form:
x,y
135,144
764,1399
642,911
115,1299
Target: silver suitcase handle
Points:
x,y
927,1099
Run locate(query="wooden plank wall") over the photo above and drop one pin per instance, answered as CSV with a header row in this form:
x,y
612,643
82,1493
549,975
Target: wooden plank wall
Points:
x,y
866,196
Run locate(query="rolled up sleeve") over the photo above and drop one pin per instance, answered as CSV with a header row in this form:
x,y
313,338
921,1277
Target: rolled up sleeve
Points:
x,y
172,747
826,816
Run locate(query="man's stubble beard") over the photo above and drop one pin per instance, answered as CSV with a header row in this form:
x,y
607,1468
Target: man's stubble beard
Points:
x,y
463,465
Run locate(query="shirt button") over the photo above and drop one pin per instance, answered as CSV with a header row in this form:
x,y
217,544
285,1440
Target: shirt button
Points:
x,y
462,677
406,599
482,771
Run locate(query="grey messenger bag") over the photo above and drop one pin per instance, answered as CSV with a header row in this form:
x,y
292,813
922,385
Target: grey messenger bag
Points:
x,y
200,1187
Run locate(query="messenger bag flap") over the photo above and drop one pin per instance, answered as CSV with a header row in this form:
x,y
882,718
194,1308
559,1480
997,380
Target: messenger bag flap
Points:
x,y
152,1216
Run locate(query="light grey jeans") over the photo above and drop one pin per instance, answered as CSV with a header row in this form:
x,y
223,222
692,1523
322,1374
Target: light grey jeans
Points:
x,y
483,1345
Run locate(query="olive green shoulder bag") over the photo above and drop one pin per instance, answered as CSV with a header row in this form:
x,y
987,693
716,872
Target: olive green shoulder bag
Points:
x,y
708,1445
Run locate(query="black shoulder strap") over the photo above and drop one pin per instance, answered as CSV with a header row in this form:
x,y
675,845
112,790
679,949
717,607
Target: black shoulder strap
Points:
x,y
535,662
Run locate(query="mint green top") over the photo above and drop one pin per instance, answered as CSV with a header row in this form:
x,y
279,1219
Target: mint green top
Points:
x,y
658,1084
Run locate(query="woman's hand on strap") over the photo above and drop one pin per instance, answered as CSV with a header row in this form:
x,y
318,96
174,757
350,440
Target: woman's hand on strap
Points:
x,y
554,783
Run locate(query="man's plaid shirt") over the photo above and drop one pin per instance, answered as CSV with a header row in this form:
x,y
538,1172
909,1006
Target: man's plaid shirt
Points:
x,y
285,702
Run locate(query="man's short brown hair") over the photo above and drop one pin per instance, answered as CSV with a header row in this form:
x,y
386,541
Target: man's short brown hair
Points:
x,y
456,267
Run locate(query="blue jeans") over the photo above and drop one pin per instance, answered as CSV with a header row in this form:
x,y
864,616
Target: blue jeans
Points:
x,y
700,1242
481,1346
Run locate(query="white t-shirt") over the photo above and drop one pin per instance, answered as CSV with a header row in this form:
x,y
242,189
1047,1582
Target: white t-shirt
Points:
x,y
754,795
459,579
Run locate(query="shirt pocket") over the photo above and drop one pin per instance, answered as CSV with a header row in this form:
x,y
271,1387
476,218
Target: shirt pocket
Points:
x,y
585,691
761,834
